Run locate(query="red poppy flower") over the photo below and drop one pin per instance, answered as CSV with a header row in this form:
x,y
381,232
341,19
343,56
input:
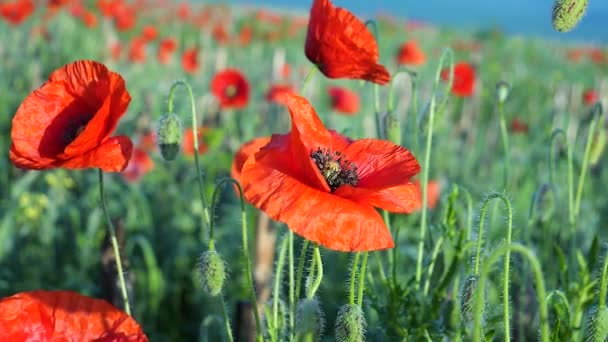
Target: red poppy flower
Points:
x,y
464,79
183,11
165,50
590,97
597,56
245,35
124,17
277,92
575,54
246,150
137,50
325,186
433,193
188,141
89,19
108,8
220,35
149,33
343,100
64,316
116,50
341,46
147,141
16,12
518,126
190,61
139,165
410,54
231,88
67,122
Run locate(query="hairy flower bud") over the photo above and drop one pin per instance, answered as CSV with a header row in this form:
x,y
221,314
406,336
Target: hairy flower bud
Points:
x,y
597,146
169,136
350,324
597,328
567,13
309,320
503,89
467,298
212,272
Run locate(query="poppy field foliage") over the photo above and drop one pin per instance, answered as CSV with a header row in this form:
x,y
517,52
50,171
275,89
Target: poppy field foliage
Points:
x,y
188,171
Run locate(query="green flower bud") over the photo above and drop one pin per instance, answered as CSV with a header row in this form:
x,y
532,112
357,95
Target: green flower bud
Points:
x,y
467,298
310,320
392,128
597,146
503,89
597,328
350,324
212,272
567,13
169,136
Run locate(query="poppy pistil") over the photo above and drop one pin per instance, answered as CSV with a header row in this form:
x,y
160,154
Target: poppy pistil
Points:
x,y
335,168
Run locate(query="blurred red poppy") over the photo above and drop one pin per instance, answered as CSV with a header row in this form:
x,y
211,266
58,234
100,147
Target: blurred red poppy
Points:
x,y
64,316
220,34
597,56
138,166
277,92
245,35
147,141
165,50
343,100
410,54
116,50
433,193
246,150
67,122
325,186
17,11
590,97
183,11
54,5
188,141
190,61
231,88
125,17
108,8
149,33
575,54
464,79
137,50
518,126
341,46
89,19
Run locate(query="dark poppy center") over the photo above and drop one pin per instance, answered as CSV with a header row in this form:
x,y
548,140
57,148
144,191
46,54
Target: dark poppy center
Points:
x,y
335,168
74,129
230,91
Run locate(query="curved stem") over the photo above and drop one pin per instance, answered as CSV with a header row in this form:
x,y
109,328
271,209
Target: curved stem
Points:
x,y
114,241
427,161
353,278
226,319
562,297
319,276
199,176
362,279
540,288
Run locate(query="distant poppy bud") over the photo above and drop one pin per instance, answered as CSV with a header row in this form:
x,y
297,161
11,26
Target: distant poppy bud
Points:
x,y
503,89
467,298
392,128
567,13
350,324
597,328
309,320
169,136
597,146
212,272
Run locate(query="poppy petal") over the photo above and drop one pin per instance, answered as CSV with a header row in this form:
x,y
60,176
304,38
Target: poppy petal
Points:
x,y
111,156
398,199
322,217
243,154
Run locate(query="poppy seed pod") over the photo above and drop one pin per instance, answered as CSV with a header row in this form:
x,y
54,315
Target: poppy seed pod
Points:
x,y
350,324
567,13
503,89
309,320
212,272
169,136
597,328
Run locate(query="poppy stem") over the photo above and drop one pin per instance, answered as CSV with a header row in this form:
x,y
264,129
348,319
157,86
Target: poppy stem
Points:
x,y
114,241
362,279
505,143
319,276
505,284
292,301
301,267
226,319
540,288
308,78
277,286
427,157
436,251
353,278
199,176
603,284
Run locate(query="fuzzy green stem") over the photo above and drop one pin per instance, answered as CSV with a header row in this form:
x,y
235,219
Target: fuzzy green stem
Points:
x,y
199,176
114,242
436,251
380,267
562,297
353,278
603,284
292,301
597,113
505,284
427,161
361,281
226,319
319,276
554,137
505,143
277,286
301,267
540,288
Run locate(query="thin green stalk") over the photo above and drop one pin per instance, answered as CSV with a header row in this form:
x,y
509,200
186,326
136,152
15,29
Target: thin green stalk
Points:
x,y
427,160
436,251
362,279
603,284
226,318
114,241
301,267
540,288
552,168
353,278
199,177
319,276
505,143
505,284
277,287
292,301
380,267
562,297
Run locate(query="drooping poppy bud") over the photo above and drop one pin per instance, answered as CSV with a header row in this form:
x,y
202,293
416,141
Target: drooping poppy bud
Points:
x,y
567,13
309,320
212,272
169,136
350,324
597,146
503,89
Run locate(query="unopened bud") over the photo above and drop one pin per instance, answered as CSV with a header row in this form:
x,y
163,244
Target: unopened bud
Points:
x,y
392,128
212,272
567,13
310,320
597,146
503,89
350,324
597,328
169,136
467,298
